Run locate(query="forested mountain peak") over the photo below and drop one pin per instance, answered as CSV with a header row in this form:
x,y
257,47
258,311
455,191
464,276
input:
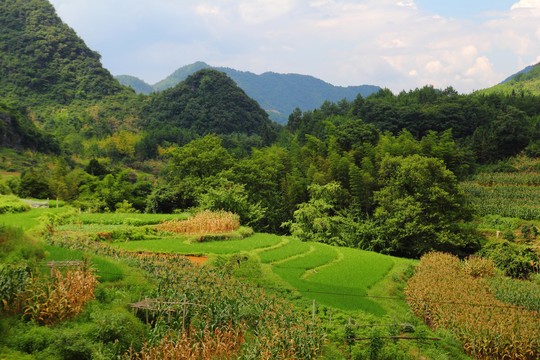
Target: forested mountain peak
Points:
x,y
42,60
278,93
206,102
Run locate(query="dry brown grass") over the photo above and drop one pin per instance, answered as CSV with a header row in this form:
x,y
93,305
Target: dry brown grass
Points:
x,y
47,301
220,344
204,222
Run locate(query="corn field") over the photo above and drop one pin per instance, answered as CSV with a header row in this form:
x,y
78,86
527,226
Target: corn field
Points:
x,y
455,295
219,344
204,222
48,301
276,330
515,195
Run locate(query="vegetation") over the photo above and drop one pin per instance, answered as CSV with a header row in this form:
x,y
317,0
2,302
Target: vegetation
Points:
x,y
521,84
454,295
10,204
279,93
138,182
206,222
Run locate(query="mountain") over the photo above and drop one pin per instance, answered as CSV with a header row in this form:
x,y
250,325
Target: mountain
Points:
x,y
278,94
135,83
207,102
180,75
526,81
43,61
524,71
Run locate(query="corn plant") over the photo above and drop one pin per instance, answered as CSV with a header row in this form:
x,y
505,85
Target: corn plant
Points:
x,y
444,292
59,298
205,222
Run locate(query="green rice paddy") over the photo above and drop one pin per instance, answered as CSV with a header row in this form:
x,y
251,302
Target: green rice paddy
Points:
x,y
28,220
106,270
332,276
222,247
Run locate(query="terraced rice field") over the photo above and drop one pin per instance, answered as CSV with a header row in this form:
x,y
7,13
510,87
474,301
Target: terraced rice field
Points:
x,y
177,245
337,277
333,276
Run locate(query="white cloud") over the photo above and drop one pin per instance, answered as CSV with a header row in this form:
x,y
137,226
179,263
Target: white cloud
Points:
x,y
258,11
526,4
390,43
203,9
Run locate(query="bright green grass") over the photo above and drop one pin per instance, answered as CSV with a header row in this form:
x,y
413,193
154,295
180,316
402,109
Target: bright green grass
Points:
x,y
292,248
178,245
29,219
358,269
128,219
341,284
106,269
92,228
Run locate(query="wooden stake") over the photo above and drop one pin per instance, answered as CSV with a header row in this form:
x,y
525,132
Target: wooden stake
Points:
x,y
330,317
313,313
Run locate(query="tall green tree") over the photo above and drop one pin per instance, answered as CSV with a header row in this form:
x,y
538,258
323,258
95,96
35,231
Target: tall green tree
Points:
x,y
420,207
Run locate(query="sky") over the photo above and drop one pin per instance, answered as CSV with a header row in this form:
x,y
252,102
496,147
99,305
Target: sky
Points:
x,y
396,44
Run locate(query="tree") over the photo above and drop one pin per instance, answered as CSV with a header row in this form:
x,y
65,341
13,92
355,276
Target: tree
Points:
x,y
234,198
321,219
420,208
200,158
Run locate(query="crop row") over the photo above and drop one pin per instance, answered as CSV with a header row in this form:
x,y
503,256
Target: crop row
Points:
x,y
508,201
455,295
216,301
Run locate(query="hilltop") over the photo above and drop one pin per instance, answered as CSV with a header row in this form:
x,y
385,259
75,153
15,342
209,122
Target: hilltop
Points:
x,y
278,94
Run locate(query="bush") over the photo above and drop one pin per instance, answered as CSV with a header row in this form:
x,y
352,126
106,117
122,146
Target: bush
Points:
x,y
10,204
120,327
515,260
13,280
35,339
74,344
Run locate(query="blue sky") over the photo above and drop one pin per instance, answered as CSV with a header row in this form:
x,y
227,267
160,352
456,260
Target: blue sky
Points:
x,y
463,9
399,44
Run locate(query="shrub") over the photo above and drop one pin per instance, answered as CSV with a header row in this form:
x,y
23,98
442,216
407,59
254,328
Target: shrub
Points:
x,y
515,260
10,204
119,326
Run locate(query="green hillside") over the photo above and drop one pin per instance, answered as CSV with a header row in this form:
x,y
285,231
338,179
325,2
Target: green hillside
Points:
x,y
521,83
278,94
206,102
135,83
42,60
19,132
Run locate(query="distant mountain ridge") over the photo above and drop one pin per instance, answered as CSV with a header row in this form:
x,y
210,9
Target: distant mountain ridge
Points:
x,y
278,94
524,71
526,81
